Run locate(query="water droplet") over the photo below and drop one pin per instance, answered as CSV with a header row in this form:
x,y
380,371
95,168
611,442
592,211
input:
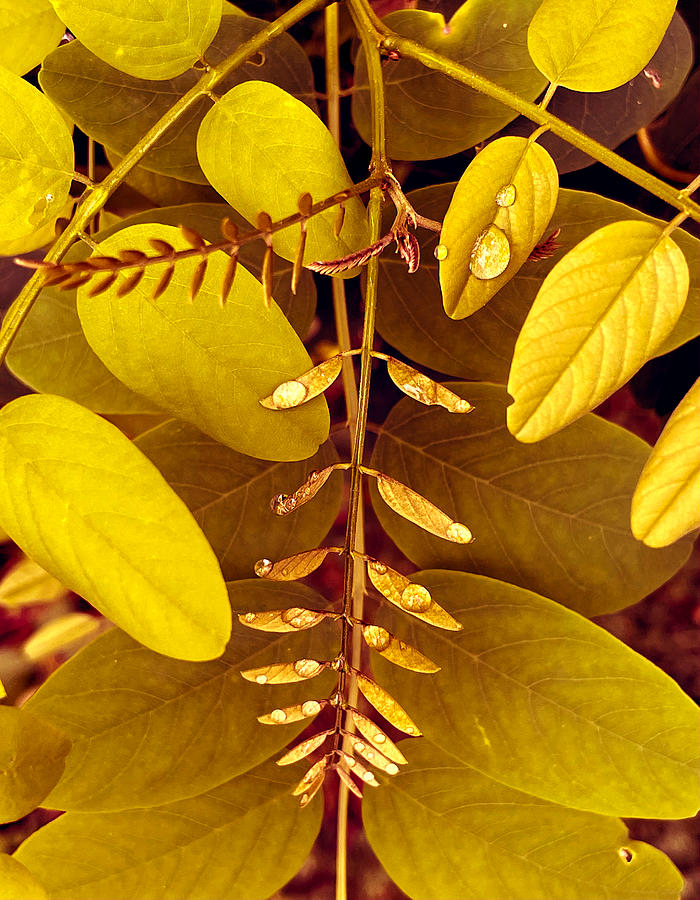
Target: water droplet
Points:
x,y
416,598
249,617
491,254
304,799
49,198
653,76
368,777
278,716
459,533
462,406
261,679
392,769
505,25
379,738
359,746
410,729
440,252
506,195
262,568
311,707
625,854
282,504
349,760
417,393
378,567
307,668
369,754
377,638
288,394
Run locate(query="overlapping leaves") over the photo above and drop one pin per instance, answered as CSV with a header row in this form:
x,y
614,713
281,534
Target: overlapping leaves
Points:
x,y
30,30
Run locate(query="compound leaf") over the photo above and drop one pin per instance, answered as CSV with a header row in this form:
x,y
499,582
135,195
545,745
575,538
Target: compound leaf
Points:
x,y
87,506
28,31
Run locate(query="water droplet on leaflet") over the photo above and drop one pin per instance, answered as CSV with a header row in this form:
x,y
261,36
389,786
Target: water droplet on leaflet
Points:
x,y
391,769
311,707
459,533
506,195
261,679
416,598
278,716
491,254
289,394
307,668
249,617
379,738
376,637
440,252
359,746
262,568
378,567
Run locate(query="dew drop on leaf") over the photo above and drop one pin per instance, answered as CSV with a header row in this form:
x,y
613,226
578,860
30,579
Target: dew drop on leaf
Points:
x,y
377,638
310,707
416,598
440,252
278,716
261,679
459,533
307,668
506,195
490,255
262,568
289,394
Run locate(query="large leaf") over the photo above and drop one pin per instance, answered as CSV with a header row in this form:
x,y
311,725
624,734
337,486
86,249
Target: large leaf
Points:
x,y
444,831
229,495
157,40
86,505
506,196
36,158
246,838
551,517
206,364
666,501
147,729
586,45
430,115
600,314
410,314
541,699
32,756
17,881
117,109
261,149
28,31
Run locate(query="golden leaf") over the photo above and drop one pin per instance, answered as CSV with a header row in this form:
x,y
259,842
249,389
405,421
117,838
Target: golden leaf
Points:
x,y
197,279
409,596
397,651
374,757
386,706
304,748
414,507
283,620
374,734
361,771
285,673
229,275
307,386
423,389
285,715
292,567
283,504
344,776
311,776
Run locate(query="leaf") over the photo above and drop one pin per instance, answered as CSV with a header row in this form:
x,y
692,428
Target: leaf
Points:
x,y
174,353
410,597
29,31
312,781
36,158
666,501
285,673
293,618
551,517
158,42
224,844
397,651
509,191
284,504
429,115
415,508
229,495
94,512
377,738
544,701
423,389
598,329
17,881
26,583
117,109
285,715
386,706
375,758
147,729
60,633
264,131
410,315
445,831
305,386
587,46
294,567
32,756
303,749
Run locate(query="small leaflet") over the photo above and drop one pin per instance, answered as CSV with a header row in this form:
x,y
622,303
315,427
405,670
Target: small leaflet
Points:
x,y
296,618
374,757
293,567
285,673
423,389
386,706
361,771
307,386
397,651
344,776
311,776
414,507
410,597
374,734
285,715
283,504
304,748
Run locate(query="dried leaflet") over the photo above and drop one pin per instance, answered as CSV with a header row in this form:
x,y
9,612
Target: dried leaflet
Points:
x,y
397,651
374,757
414,507
303,749
285,673
283,620
285,715
410,597
293,567
423,389
307,386
283,504
374,734
385,704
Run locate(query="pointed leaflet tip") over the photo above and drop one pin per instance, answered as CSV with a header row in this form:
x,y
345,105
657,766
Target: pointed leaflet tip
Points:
x,y
423,389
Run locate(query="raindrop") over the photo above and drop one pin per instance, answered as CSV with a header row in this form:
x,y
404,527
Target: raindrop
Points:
x,y
391,769
416,598
505,25
506,195
376,637
311,707
304,799
359,746
368,777
262,568
278,715
369,754
490,255
653,76
440,252
307,668
378,567
249,617
288,394
459,533
379,738
410,729
625,854
283,504
49,198
261,679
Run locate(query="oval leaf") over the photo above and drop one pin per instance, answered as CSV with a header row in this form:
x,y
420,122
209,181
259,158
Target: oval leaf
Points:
x,y
396,651
590,46
552,517
90,509
415,508
293,567
377,738
305,386
293,618
510,190
666,501
408,596
541,699
263,131
584,339
303,749
29,31
17,881
157,42
285,715
385,704
173,352
285,673
423,389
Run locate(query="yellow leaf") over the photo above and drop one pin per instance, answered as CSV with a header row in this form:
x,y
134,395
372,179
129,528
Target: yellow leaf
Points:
x,y
283,504
423,389
282,620
285,673
396,651
373,756
26,583
374,734
307,386
293,567
410,597
59,634
285,715
310,782
385,704
304,748
414,507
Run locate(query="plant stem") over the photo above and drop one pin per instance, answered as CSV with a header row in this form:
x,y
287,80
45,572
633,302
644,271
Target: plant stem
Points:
x,y
95,198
